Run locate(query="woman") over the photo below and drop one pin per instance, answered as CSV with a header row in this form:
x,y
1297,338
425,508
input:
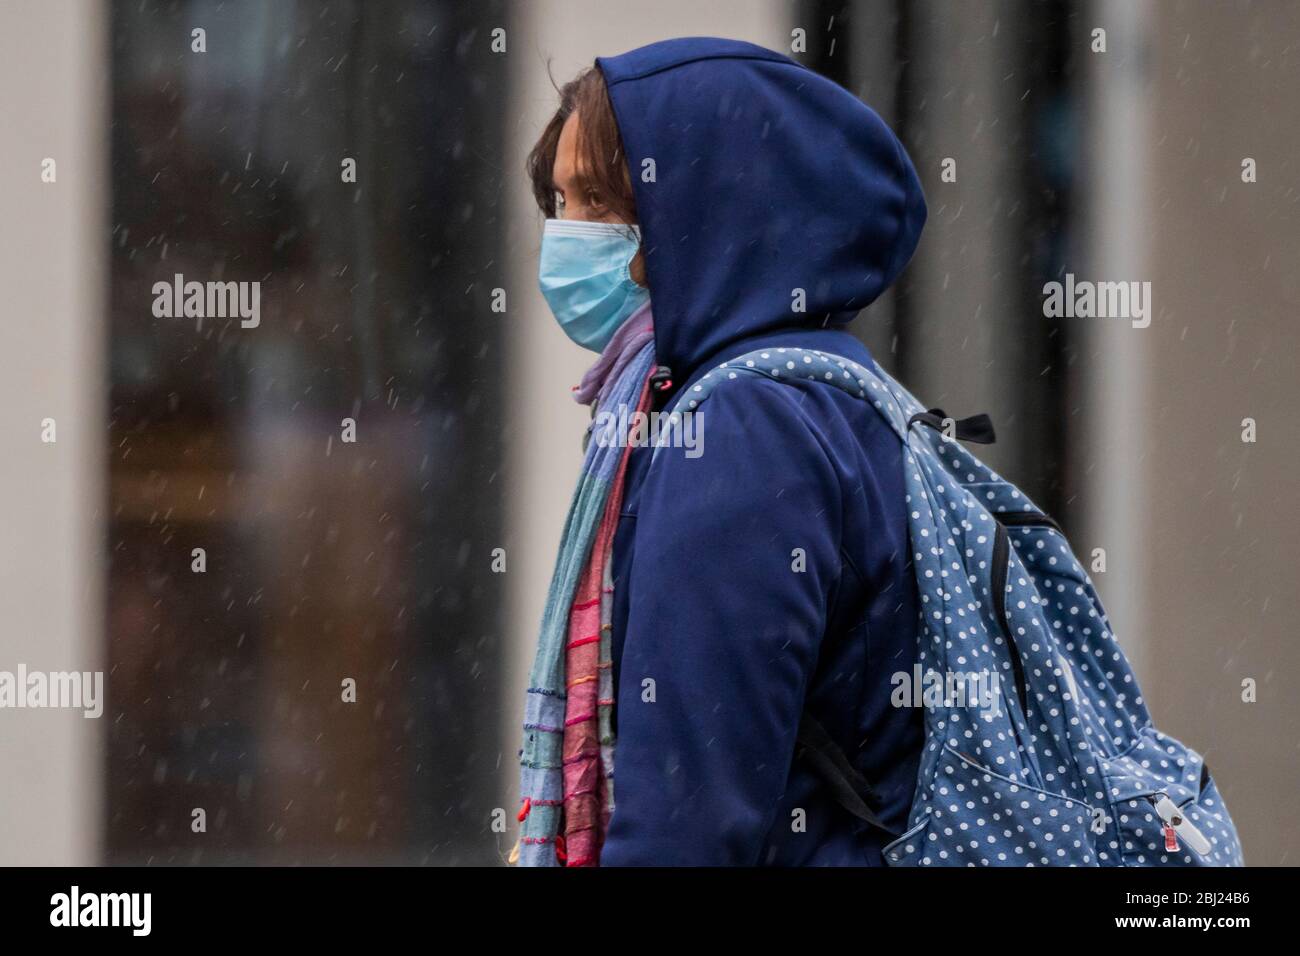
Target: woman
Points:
x,y
715,614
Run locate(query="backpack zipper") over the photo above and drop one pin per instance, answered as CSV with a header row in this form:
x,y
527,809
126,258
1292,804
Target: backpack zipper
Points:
x,y
1174,823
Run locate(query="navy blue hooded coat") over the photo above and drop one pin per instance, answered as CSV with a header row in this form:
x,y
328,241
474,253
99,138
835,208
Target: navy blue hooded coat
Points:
x,y
772,188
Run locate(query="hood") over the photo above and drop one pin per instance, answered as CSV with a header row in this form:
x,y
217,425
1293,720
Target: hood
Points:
x,y
756,178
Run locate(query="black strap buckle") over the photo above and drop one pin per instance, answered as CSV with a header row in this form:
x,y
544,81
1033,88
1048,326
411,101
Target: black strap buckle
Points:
x,y
976,428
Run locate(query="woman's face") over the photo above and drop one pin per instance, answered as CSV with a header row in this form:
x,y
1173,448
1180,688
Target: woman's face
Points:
x,y
571,200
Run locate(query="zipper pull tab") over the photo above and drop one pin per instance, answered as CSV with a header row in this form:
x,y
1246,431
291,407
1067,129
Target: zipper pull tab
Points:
x,y
662,378
1175,820
1171,839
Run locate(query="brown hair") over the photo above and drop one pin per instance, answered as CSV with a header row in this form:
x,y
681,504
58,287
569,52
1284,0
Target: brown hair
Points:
x,y
601,163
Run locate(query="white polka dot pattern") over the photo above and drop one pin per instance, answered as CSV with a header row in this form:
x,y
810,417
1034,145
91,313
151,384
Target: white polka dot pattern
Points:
x,y
1066,769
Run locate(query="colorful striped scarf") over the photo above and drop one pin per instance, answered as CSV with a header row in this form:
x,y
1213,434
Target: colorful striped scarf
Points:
x,y
567,761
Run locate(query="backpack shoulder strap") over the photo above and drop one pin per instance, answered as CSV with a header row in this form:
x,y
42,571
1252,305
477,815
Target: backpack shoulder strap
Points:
x,y
849,788
788,364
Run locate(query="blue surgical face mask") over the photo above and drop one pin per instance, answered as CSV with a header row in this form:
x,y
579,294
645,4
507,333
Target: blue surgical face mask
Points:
x,y
585,279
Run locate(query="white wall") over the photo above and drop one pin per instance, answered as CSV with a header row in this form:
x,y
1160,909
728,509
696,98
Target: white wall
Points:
x,y
545,424
54,71
1108,459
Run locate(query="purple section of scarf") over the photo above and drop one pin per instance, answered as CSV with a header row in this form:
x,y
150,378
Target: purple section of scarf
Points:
x,y
622,348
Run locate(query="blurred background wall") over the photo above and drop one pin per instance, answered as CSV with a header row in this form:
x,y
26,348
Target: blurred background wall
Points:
x,y
1220,529
405,301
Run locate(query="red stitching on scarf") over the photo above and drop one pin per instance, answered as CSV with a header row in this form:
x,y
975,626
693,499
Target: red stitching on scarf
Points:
x,y
583,640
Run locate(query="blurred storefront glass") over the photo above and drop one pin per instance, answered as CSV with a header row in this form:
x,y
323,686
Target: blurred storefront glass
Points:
x,y
326,559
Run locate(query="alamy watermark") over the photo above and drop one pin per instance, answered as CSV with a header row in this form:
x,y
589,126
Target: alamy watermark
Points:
x,y
1084,299
133,911
979,690
208,300
54,690
635,429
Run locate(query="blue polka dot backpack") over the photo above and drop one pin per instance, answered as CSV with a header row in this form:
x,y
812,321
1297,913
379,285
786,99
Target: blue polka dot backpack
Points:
x,y
1061,765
